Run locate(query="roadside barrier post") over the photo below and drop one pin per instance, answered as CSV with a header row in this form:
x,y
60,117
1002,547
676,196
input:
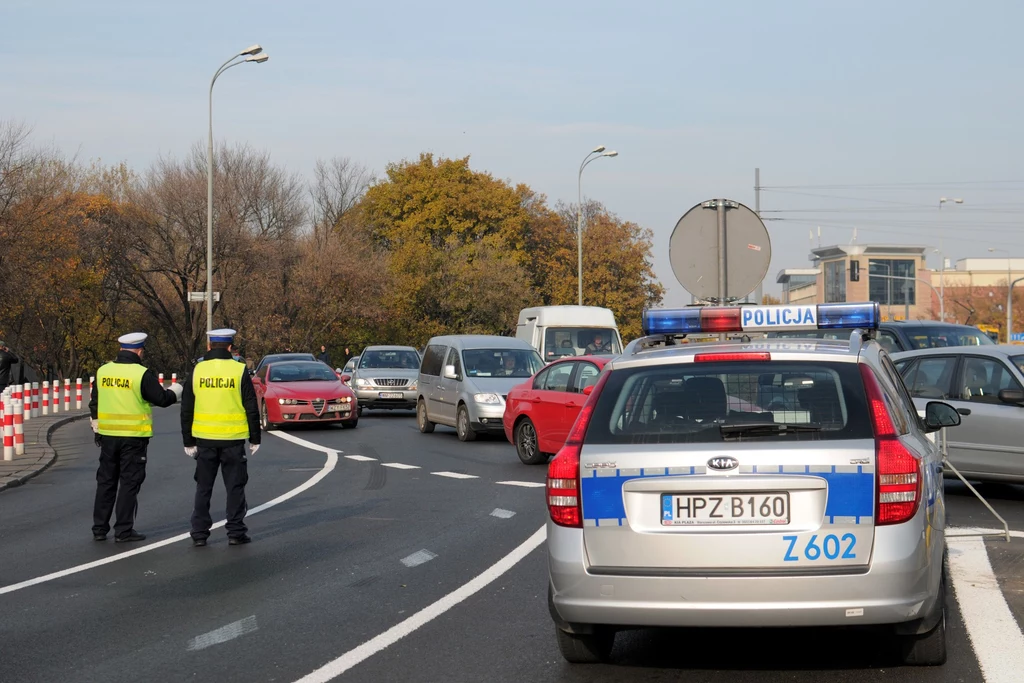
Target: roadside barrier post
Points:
x,y
174,378
35,399
19,427
161,377
46,397
78,394
55,397
67,395
19,395
8,429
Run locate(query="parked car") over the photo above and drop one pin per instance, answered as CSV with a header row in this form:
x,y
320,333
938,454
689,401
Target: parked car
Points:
x,y
540,412
279,357
464,380
903,335
986,386
385,378
301,392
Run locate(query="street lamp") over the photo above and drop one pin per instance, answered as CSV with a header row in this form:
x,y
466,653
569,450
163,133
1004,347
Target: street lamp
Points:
x,y
254,54
599,151
942,264
1010,282
888,282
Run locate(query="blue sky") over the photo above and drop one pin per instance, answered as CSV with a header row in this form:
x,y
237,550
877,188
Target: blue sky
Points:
x,y
889,105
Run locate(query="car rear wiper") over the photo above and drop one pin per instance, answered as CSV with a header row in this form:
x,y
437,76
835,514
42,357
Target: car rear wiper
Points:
x,y
765,428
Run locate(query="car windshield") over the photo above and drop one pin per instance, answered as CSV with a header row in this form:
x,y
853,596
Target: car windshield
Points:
x,y
940,336
301,372
580,341
1018,361
501,362
396,359
715,402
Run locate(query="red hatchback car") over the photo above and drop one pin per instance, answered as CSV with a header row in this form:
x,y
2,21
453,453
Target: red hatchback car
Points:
x,y
540,412
303,392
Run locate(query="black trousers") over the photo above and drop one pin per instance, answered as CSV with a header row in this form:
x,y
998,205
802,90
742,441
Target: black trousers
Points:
x,y
118,480
235,471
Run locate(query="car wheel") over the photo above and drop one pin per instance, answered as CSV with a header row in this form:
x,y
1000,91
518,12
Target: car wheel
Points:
x,y
928,649
350,424
586,648
527,445
462,427
425,425
264,419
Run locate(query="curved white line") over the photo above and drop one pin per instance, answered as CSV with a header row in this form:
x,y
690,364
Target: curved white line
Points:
x,y
329,465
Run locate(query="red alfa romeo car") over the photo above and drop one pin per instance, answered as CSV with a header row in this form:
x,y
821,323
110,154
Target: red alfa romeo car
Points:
x,y
303,392
540,412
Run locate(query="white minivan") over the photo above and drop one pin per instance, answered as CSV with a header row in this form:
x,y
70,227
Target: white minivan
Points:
x,y
557,331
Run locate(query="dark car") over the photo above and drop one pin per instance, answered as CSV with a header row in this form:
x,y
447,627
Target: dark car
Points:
x,y
905,335
278,357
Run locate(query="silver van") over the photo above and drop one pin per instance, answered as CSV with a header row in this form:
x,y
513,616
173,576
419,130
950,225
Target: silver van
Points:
x,y
464,380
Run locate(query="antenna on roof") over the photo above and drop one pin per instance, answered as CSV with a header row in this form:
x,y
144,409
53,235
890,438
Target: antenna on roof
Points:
x,y
854,240
819,237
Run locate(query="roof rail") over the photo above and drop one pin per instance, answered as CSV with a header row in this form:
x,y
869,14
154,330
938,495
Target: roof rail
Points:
x,y
859,337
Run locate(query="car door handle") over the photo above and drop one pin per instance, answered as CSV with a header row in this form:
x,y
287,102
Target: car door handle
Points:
x,y
535,399
964,411
571,404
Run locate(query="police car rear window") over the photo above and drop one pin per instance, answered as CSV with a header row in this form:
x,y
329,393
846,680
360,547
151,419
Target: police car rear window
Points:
x,y
731,401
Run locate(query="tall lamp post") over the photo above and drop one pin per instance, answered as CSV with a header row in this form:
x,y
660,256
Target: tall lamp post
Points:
x,y
1010,282
250,54
942,265
599,151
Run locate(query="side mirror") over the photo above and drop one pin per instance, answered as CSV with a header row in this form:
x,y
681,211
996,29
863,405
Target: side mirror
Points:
x,y
587,391
938,415
449,372
346,378
1012,396
338,370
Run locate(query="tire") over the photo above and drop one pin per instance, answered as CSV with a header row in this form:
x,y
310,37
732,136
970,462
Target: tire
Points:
x,y
264,419
425,425
590,648
462,426
352,424
527,446
928,649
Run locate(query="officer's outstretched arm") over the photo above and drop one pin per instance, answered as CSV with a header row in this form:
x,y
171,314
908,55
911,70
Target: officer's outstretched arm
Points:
x,y
153,392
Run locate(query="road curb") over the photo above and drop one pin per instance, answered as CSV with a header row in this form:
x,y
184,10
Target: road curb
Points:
x,y
46,448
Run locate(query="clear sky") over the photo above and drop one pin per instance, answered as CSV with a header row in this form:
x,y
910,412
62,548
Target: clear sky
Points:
x,y
889,105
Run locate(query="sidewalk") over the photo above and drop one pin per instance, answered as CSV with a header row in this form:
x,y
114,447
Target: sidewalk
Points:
x,y
38,453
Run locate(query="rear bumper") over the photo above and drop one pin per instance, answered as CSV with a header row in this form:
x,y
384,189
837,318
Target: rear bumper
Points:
x,y
901,585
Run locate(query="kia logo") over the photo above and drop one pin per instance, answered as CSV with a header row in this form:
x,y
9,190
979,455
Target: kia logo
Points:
x,y
723,463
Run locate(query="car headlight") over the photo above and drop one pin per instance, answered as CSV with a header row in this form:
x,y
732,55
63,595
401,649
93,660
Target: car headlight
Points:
x,y
287,401
360,382
489,399
411,386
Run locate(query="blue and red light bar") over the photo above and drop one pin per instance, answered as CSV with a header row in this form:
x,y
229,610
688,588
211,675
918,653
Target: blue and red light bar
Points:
x,y
712,319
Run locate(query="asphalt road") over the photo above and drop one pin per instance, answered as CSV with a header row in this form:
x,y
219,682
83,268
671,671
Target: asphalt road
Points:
x,y
369,544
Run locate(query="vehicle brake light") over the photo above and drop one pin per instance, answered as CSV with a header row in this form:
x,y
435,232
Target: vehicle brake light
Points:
x,y
898,471
563,485
727,357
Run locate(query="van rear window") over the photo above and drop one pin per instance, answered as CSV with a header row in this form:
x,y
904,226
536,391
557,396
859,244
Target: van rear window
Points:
x,y
737,401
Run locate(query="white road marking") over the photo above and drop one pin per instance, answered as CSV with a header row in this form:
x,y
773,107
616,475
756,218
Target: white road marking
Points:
x,y
224,633
524,484
995,636
455,475
329,465
400,466
419,557
502,514
335,668
359,458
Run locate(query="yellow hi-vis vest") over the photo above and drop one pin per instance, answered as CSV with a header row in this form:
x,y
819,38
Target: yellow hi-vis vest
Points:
x,y
219,414
121,410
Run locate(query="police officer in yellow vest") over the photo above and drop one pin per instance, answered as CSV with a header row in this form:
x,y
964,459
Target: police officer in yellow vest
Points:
x,y
122,417
218,413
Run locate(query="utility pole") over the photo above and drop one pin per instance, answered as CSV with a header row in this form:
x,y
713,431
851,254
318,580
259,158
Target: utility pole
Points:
x,y
759,292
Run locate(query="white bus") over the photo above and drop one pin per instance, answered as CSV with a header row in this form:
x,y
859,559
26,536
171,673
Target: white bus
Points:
x,y
558,331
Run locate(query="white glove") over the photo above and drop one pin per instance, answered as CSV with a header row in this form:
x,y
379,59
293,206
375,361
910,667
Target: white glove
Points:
x,y
192,451
253,447
95,424
177,389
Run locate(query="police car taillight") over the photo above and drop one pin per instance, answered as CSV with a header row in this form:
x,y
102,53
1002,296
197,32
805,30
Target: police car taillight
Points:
x,y
898,471
563,485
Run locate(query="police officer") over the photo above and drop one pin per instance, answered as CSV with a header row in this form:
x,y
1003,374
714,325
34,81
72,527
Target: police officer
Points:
x,y
122,418
218,413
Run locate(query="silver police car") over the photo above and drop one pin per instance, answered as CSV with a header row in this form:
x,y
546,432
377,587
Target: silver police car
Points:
x,y
763,483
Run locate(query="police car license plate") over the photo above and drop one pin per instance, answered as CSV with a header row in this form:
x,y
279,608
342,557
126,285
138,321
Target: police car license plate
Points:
x,y
337,408
726,509
391,394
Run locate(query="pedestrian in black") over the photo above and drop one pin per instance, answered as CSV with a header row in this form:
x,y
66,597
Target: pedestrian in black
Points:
x,y
7,359
324,357
122,418
218,413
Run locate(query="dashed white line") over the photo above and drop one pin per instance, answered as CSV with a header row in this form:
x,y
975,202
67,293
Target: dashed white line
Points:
x,y
335,668
224,633
455,475
359,458
400,466
419,557
524,484
502,514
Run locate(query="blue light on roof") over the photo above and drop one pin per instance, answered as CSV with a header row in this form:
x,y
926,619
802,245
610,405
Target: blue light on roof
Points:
x,y
848,316
672,321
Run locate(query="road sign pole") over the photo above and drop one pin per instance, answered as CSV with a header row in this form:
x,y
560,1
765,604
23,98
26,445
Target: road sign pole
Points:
x,y
722,276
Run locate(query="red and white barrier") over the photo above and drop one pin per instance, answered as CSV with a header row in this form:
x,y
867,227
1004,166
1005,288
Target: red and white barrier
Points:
x,y
8,428
67,396
174,378
18,392
92,382
46,397
35,399
78,394
55,398
19,426
161,378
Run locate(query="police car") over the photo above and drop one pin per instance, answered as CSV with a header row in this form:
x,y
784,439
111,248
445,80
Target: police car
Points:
x,y
774,483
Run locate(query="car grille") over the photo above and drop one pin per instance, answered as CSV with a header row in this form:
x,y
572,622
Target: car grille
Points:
x,y
390,382
318,405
